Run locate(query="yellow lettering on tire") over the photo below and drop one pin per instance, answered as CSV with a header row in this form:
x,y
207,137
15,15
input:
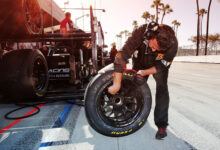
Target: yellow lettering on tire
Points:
x,y
122,132
112,132
40,95
140,123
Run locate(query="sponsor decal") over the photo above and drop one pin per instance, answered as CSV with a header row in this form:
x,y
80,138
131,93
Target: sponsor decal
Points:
x,y
59,76
122,132
59,70
159,56
165,63
61,63
127,74
118,55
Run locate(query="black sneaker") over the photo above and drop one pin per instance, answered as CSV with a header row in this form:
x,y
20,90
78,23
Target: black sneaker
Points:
x,y
161,133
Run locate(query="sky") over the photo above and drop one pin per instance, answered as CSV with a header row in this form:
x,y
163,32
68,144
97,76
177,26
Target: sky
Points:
x,y
120,14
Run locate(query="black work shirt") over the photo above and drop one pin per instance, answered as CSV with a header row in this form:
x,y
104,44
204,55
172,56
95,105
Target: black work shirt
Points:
x,y
146,58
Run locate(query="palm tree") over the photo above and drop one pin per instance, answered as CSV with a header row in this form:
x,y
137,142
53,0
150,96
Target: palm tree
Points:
x,y
166,10
202,12
156,4
146,15
121,33
126,34
198,23
176,24
113,44
135,24
207,27
152,17
118,36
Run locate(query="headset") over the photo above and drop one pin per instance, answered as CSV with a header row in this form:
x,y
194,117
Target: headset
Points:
x,y
151,30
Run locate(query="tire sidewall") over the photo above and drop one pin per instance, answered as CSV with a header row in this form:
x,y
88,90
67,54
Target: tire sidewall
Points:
x,y
36,93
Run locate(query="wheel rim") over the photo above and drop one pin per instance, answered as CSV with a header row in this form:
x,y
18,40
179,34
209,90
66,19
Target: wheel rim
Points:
x,y
122,109
39,75
33,16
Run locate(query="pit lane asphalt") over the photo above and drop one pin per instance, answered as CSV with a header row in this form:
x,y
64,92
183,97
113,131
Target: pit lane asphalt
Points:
x,y
193,117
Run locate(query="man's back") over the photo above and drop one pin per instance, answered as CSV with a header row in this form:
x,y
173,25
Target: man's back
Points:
x,y
66,25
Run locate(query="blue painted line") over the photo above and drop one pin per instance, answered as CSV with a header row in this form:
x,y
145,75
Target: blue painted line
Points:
x,y
62,118
54,143
59,122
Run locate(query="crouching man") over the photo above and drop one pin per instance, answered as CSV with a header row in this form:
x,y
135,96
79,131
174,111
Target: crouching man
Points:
x,y
154,48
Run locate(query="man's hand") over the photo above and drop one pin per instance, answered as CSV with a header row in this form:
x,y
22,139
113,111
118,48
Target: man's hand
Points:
x,y
141,72
116,83
114,89
149,71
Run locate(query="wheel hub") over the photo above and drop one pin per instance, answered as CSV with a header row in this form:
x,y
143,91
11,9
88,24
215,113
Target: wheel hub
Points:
x,y
118,101
121,109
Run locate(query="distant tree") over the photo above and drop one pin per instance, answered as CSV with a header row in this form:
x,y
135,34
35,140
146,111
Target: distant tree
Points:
x,y
202,12
135,24
113,44
121,33
166,10
193,39
126,34
176,25
119,40
156,4
152,17
207,27
146,15
214,41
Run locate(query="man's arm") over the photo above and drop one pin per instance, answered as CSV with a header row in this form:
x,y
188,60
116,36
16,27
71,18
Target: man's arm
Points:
x,y
129,48
121,58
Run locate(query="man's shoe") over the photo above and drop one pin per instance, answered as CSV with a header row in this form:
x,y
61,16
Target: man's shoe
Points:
x,y
161,133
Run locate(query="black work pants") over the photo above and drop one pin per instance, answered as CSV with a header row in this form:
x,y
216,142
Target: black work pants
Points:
x,y
162,99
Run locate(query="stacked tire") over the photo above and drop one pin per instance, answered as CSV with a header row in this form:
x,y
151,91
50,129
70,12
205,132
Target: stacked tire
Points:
x,y
24,74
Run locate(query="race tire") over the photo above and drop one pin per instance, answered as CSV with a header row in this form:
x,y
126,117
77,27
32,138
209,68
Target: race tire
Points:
x,y
24,74
120,124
